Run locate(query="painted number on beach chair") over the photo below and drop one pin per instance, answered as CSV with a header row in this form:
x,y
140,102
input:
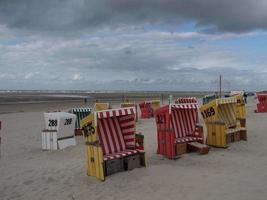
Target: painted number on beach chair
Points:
x,y
208,113
68,121
89,130
52,122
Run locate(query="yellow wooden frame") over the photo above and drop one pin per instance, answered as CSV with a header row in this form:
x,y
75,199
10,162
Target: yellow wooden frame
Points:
x,y
101,106
220,117
94,154
240,107
155,104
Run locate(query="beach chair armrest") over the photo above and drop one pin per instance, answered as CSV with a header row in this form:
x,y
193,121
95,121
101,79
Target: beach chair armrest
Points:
x,y
139,141
199,130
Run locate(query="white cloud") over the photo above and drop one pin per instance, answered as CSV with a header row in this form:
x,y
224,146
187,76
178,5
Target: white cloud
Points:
x,y
30,75
76,77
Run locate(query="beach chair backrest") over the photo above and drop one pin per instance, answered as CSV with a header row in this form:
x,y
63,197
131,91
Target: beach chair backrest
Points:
x,y
227,114
116,129
184,118
221,110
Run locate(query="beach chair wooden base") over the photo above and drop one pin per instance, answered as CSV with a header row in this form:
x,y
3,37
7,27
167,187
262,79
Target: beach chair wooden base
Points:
x,y
198,147
242,122
243,135
132,162
237,136
113,166
49,140
229,138
181,149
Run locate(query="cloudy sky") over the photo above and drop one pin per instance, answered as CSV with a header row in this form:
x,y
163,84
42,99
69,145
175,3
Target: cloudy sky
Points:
x,y
133,44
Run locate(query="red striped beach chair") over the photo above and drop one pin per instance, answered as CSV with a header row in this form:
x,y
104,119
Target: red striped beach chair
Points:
x,y
148,108
262,102
186,100
177,126
112,143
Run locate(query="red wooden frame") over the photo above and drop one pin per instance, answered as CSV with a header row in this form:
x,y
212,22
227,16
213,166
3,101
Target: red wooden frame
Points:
x,y
176,124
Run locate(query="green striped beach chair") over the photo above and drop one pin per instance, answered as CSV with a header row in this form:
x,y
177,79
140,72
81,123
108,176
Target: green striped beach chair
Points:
x,y
80,113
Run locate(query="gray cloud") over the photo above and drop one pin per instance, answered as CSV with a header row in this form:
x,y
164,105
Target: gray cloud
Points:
x,y
115,48
76,15
138,60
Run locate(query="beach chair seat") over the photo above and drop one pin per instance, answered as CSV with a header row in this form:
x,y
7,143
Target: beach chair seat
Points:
x,y
121,154
188,139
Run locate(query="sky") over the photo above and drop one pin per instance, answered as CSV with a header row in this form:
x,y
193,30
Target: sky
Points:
x,y
133,44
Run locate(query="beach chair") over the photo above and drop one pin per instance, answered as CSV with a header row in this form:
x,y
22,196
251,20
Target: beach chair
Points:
x,y
59,130
262,102
221,122
148,108
236,92
112,144
101,106
186,100
177,129
130,104
208,98
80,114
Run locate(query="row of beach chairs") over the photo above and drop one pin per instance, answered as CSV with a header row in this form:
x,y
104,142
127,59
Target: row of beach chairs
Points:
x,y
113,144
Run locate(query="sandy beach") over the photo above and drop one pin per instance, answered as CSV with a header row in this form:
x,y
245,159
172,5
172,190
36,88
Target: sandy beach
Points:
x,y
27,172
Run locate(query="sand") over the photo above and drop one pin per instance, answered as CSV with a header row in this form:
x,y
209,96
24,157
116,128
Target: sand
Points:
x,y
27,172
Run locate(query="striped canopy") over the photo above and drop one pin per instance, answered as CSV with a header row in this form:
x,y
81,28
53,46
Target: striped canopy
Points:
x,y
185,106
186,100
115,112
116,129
